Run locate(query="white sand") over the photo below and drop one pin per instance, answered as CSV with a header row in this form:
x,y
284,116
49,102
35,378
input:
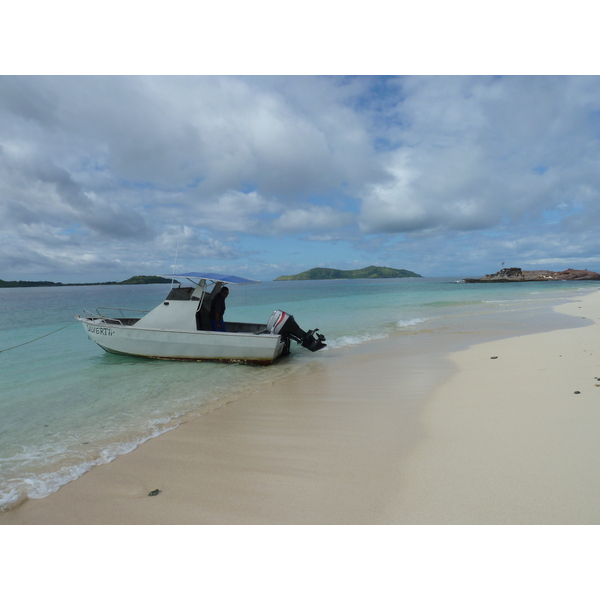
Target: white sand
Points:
x,y
368,439
508,440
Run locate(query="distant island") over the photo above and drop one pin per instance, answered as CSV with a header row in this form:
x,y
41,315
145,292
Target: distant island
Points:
x,y
135,280
366,273
514,274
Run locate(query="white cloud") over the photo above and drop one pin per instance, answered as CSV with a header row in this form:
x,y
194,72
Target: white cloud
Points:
x,y
312,218
251,213
234,211
457,169
477,151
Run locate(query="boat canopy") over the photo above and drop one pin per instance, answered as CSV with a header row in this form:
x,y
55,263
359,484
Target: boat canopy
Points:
x,y
213,277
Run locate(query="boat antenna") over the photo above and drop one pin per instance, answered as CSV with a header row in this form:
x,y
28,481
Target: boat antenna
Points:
x,y
175,265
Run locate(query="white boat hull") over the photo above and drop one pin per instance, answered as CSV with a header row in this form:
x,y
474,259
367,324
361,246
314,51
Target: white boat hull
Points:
x,y
261,348
181,328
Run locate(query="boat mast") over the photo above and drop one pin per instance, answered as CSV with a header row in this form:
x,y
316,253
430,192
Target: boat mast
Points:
x,y
175,265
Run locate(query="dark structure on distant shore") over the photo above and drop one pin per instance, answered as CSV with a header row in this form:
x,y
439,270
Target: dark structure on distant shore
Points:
x,y
516,274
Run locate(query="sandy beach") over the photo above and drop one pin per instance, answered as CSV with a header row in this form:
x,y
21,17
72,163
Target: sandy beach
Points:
x,y
376,437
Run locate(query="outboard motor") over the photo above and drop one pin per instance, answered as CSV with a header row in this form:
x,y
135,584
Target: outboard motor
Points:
x,y
280,323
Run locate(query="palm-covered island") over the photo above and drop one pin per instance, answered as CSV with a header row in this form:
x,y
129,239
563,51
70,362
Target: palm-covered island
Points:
x,y
365,273
136,279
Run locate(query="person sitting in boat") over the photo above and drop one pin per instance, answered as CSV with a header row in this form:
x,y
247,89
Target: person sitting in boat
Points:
x,y
217,310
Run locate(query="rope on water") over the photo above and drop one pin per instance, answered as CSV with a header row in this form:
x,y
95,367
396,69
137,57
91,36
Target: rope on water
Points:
x,y
36,339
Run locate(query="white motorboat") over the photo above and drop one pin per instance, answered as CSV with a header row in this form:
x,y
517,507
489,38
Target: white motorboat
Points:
x,y
179,328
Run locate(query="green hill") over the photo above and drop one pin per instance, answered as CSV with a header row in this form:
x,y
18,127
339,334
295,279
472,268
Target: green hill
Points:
x,y
141,279
136,279
11,284
366,273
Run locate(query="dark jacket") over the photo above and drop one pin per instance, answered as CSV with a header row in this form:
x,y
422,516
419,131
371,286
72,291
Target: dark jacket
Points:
x,y
217,306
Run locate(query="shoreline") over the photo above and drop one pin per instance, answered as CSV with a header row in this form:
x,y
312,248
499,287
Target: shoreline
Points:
x,y
379,437
285,453
513,440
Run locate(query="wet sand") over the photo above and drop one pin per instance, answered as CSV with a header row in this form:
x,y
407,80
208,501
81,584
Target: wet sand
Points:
x,y
376,437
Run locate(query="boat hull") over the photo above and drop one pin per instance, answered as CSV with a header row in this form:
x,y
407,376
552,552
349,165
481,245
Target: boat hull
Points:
x,y
184,345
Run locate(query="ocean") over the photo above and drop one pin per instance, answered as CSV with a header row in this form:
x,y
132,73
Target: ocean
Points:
x,y
66,405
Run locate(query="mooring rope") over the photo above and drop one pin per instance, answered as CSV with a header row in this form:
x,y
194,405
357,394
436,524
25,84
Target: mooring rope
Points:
x,y
36,339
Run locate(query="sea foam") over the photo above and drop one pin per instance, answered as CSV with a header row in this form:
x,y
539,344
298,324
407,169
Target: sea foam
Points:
x,y
410,322
17,490
353,340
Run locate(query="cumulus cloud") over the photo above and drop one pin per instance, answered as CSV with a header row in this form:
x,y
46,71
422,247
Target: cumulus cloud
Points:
x,y
313,218
251,213
434,189
235,211
35,190
477,151
418,172
185,243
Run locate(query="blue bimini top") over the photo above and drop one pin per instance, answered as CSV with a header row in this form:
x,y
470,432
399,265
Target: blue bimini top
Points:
x,y
213,277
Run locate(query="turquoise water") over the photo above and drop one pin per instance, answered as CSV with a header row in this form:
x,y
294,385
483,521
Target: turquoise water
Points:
x,y
66,405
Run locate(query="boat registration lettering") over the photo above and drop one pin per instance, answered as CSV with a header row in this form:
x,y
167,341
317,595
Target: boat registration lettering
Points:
x,y
100,330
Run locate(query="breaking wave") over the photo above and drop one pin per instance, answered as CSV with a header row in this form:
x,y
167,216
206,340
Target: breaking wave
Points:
x,y
410,322
353,340
15,490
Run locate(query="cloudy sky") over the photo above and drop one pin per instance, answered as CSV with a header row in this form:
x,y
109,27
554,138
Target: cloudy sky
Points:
x,y
105,177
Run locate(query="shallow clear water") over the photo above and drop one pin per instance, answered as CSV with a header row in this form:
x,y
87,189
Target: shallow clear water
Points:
x,y
66,405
